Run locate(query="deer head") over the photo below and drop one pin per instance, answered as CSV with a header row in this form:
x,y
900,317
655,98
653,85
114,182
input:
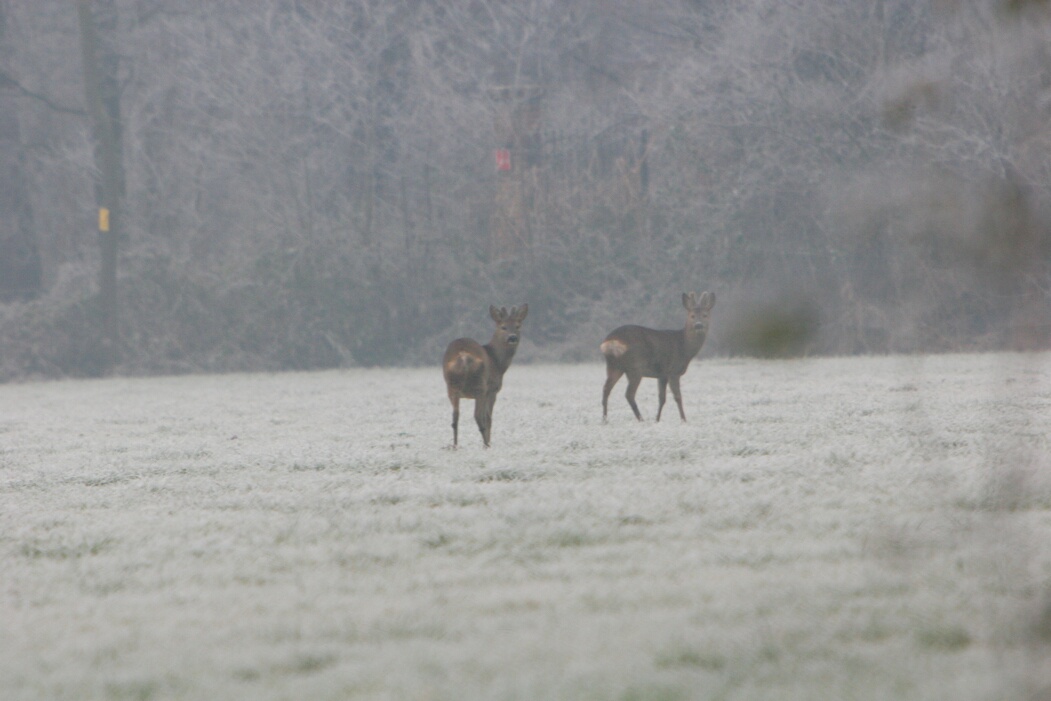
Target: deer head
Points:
x,y
508,324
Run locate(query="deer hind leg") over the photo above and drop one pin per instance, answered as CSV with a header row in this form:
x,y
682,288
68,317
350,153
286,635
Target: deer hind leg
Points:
x,y
612,377
674,381
662,387
455,400
633,386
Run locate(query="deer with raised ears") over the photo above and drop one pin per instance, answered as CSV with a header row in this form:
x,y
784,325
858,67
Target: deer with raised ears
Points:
x,y
639,352
474,371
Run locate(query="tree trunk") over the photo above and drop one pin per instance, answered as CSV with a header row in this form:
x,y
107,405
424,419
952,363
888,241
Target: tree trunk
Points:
x,y
102,94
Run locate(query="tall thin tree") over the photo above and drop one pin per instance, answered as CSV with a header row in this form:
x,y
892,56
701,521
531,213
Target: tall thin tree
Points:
x,y
98,29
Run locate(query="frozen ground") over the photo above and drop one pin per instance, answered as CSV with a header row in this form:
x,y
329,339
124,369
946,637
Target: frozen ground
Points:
x,y
869,528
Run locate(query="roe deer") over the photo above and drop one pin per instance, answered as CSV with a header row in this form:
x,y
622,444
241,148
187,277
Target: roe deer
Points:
x,y
639,352
474,371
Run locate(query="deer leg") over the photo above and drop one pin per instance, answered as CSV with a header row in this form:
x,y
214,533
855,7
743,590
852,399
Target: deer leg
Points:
x,y
612,377
456,415
674,381
633,386
662,386
483,418
489,419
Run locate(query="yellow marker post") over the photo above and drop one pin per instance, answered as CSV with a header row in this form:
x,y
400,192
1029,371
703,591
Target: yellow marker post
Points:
x,y
103,219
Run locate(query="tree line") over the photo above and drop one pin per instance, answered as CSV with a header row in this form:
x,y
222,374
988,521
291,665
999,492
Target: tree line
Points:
x,y
297,184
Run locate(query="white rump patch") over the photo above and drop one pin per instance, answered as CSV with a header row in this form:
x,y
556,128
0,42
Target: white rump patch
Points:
x,y
463,362
613,348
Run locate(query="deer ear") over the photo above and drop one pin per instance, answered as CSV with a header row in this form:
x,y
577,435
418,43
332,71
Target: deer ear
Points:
x,y
522,311
495,313
707,299
689,300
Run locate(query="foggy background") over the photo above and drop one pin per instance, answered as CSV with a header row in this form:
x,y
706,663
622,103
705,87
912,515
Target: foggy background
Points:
x,y
300,184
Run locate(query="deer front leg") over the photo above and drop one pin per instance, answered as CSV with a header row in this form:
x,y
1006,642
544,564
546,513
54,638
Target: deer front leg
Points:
x,y
674,381
662,387
483,417
633,386
489,418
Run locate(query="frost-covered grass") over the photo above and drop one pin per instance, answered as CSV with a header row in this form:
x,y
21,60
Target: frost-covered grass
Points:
x,y
867,528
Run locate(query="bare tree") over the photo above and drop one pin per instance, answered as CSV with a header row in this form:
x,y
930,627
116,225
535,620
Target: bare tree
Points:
x,y
310,184
20,269
98,29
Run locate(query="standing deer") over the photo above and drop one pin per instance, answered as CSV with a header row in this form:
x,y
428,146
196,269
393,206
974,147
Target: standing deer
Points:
x,y
639,352
474,371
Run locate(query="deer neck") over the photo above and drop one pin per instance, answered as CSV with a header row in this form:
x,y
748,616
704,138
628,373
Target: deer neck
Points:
x,y
501,354
692,340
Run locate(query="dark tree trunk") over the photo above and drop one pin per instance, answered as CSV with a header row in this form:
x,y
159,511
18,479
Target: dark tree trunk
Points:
x,y
98,29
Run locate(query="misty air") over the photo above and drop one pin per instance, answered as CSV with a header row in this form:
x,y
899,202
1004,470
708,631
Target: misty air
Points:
x,y
525,349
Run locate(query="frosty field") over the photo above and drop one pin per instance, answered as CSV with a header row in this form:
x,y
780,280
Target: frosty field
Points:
x,y
866,528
